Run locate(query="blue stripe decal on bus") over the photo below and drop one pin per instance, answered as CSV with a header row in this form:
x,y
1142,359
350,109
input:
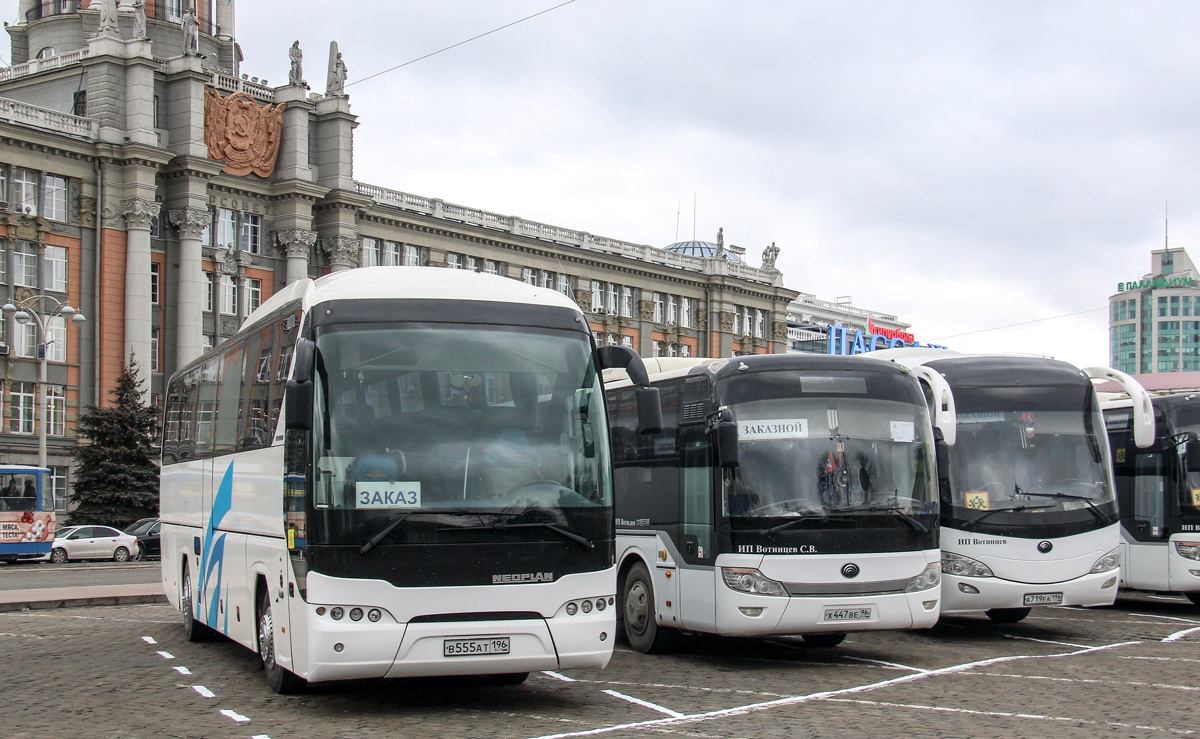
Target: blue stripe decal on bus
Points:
x,y
214,549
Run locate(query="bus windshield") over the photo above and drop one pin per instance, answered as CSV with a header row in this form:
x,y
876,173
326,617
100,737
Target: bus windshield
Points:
x,y
1033,451
827,454
448,419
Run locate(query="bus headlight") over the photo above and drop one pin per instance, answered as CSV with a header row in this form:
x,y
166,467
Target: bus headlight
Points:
x,y
1188,549
748,580
1110,561
956,564
929,578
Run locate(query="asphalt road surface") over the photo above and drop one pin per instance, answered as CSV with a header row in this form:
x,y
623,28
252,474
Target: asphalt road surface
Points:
x,y
1128,671
27,575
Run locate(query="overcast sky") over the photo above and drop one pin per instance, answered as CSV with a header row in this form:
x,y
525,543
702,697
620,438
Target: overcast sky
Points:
x,y
964,165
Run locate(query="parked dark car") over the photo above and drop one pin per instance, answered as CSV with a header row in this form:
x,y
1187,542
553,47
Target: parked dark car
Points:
x,y
146,532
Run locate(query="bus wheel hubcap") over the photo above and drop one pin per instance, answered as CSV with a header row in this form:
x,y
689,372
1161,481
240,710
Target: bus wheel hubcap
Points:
x,y
635,606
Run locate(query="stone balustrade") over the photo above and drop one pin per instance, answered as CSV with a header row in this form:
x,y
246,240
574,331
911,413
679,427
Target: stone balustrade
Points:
x,y
568,237
41,65
229,83
53,120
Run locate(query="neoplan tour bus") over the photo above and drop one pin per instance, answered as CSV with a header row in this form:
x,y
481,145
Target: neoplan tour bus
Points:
x,y
397,471
785,494
1029,513
1158,492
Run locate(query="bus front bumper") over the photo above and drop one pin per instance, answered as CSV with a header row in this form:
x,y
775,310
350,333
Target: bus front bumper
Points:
x,y
757,615
974,594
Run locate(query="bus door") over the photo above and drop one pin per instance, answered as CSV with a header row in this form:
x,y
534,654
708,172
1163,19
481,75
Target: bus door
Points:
x,y
697,574
1143,503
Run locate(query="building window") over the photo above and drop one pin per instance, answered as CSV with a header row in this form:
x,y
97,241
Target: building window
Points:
x,y
253,293
597,296
228,295
658,308
564,284
206,343
79,103
3,185
226,229
3,265
56,417
56,339
23,397
155,282
672,310
207,232
454,261
56,268
54,191
25,191
154,350
491,267
370,253
1162,307
685,313
208,291
26,340
627,302
251,233
737,321
760,325
25,271
614,298
412,256
529,276
391,254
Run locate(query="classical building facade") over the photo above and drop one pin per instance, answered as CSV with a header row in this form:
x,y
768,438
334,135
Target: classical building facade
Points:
x,y
148,183
1154,319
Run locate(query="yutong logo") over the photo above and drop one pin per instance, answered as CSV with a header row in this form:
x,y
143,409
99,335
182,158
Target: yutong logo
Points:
x,y
523,577
849,570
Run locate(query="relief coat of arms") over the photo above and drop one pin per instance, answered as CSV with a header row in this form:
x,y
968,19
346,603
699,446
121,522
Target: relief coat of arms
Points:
x,y
242,134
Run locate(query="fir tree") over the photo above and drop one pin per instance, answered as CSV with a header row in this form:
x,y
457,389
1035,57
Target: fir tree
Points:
x,y
116,477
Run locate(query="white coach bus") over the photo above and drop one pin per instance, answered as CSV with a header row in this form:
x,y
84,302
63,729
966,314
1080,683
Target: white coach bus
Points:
x,y
1029,509
785,494
397,471
1158,491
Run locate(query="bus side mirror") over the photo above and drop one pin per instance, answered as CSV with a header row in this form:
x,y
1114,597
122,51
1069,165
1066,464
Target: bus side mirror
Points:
x,y
302,364
649,410
298,406
725,435
941,453
1191,455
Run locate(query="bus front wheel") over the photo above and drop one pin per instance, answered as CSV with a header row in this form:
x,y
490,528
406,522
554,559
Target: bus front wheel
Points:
x,y
1008,615
641,629
193,630
280,679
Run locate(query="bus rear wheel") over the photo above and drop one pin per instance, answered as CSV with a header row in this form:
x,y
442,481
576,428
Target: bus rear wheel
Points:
x,y
830,639
280,679
193,630
641,629
1008,615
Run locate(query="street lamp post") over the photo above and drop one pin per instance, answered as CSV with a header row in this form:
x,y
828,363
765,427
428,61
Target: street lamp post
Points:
x,y
23,311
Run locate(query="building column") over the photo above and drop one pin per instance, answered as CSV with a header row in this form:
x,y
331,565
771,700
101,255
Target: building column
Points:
x,y
343,252
190,289
138,213
295,244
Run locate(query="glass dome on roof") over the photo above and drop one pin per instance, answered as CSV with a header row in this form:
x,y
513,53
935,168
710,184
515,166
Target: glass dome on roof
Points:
x,y
705,249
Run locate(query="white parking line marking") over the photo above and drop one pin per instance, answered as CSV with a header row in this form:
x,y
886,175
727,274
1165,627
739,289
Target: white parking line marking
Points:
x,y
557,676
1046,641
647,704
204,691
1004,714
1169,618
234,715
1165,659
1164,686
260,736
684,687
755,707
893,665
166,655
1180,634
183,670
149,640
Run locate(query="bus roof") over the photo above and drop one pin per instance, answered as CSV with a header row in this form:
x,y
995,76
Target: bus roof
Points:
x,y
419,283
665,368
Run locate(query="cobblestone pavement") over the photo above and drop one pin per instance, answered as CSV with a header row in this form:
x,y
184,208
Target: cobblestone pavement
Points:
x,y
1128,671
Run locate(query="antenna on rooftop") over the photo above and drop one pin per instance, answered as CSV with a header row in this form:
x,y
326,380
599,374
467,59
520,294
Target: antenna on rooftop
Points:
x,y
678,208
1167,225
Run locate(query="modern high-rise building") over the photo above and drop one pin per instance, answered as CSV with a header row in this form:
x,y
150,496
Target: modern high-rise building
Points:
x,y
148,183
1154,320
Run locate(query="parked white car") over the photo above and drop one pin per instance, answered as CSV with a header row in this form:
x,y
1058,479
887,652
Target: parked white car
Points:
x,y
92,542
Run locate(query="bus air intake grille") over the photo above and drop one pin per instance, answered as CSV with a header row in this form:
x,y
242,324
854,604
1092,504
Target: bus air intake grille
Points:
x,y
442,618
881,587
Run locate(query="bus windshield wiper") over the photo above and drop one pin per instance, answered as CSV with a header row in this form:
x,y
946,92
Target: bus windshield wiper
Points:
x,y
770,533
401,516
897,511
1012,509
502,526
1095,511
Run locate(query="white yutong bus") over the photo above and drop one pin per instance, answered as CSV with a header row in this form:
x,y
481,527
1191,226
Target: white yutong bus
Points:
x,y
1158,489
785,494
397,471
1029,512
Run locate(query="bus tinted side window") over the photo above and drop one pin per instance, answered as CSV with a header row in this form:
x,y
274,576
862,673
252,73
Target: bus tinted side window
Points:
x,y
646,466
